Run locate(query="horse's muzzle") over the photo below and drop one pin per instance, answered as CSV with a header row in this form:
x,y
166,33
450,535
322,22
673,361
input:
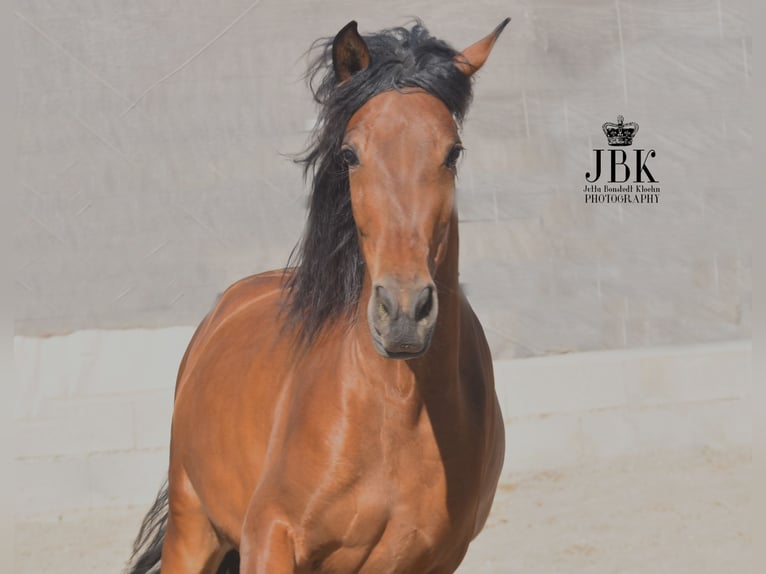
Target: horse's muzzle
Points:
x,y
402,318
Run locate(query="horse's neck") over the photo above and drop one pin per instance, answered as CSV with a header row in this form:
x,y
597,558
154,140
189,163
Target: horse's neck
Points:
x,y
443,356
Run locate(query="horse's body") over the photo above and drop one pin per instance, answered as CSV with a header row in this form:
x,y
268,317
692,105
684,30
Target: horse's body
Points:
x,y
372,444
362,459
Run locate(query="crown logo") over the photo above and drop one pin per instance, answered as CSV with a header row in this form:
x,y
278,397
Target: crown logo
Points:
x,y
620,134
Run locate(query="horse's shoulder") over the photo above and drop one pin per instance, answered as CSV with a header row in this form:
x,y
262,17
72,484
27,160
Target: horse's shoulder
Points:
x,y
253,286
476,357
248,295
232,309
470,323
247,292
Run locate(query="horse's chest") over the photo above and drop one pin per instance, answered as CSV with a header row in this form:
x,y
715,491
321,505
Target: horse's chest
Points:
x,y
409,536
404,518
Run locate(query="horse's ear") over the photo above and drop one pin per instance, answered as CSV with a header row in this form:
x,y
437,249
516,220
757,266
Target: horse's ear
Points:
x,y
349,52
473,57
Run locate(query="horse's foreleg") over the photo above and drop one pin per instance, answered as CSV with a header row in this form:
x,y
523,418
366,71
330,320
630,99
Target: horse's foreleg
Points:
x,y
191,544
267,545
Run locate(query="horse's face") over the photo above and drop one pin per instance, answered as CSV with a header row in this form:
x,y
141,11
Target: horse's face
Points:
x,y
401,150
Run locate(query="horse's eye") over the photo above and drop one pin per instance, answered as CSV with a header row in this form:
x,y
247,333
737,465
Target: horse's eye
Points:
x,y
349,157
453,156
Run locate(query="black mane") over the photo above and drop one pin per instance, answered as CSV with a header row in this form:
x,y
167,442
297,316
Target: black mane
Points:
x,y
329,268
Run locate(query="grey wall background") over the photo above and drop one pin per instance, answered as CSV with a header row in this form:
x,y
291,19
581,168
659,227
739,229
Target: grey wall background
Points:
x,y
152,175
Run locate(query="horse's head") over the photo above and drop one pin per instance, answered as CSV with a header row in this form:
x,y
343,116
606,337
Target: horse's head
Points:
x,y
401,149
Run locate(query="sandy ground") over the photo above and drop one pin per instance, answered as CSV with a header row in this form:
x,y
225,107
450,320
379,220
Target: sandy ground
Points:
x,y
671,513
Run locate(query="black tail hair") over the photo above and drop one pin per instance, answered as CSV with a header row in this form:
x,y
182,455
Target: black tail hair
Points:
x,y
147,549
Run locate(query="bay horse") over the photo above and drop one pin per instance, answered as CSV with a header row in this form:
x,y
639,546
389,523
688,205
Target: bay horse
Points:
x,y
340,416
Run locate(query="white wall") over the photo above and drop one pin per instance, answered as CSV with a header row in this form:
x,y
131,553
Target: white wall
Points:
x,y
151,174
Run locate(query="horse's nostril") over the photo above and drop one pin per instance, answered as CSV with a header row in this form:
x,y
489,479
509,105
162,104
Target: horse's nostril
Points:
x,y
424,303
385,305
